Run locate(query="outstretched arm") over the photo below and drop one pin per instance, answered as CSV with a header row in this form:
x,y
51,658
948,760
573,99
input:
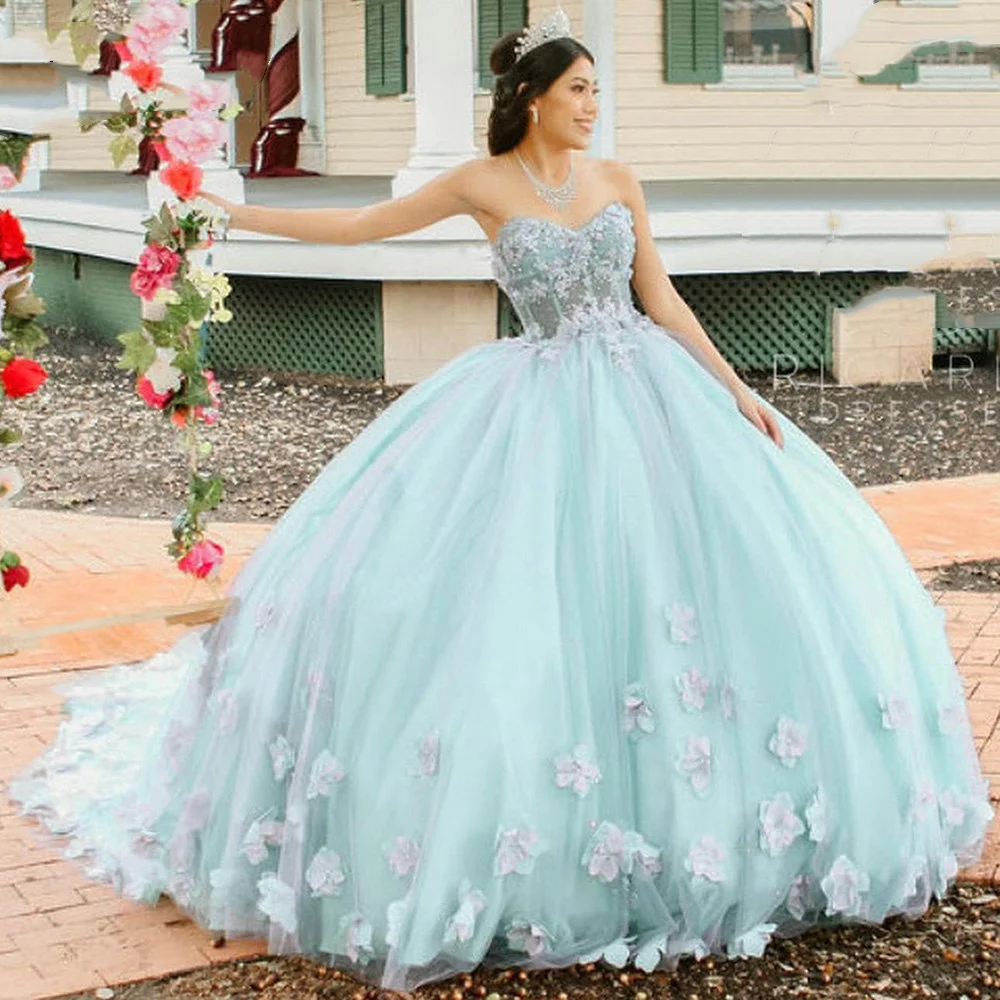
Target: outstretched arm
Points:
x,y
665,306
451,193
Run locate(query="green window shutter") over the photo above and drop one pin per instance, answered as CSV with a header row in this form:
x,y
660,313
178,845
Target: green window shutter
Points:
x,y
692,41
495,19
385,46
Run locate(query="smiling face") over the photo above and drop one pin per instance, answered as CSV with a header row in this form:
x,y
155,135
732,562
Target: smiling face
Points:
x,y
568,109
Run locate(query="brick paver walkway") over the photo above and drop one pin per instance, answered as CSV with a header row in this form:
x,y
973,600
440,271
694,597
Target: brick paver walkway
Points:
x,y
62,933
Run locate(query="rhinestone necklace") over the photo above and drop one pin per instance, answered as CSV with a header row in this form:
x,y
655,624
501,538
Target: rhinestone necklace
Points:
x,y
559,197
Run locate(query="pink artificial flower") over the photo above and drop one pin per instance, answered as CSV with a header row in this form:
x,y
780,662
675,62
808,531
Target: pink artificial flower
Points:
x,y
193,139
8,178
207,97
203,560
159,25
158,400
155,270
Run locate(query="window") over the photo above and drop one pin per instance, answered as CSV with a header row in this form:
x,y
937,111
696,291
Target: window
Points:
x,y
768,33
494,19
385,46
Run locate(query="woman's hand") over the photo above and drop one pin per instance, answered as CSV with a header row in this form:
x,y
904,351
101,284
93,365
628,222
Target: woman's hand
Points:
x,y
227,206
759,415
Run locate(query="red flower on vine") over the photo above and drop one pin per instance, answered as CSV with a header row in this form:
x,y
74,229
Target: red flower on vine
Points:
x,y
13,252
183,178
22,376
158,400
15,576
145,75
203,559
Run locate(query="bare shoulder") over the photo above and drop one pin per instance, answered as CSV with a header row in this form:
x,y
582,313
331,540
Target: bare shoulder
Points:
x,y
621,180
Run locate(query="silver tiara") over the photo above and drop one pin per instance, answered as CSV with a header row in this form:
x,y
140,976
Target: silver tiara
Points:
x,y
554,25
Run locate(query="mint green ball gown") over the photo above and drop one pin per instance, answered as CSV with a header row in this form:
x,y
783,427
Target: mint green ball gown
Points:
x,y
560,660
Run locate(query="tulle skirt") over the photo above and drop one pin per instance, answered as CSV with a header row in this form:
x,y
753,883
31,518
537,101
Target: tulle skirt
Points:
x,y
560,659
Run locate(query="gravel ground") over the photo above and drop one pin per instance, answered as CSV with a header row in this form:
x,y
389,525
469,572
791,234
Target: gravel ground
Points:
x,y
92,445
952,951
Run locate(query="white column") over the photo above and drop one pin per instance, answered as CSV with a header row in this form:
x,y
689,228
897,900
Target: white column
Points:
x,y
443,77
599,36
7,21
312,151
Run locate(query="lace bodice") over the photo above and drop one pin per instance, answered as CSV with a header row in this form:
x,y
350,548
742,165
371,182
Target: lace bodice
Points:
x,y
562,280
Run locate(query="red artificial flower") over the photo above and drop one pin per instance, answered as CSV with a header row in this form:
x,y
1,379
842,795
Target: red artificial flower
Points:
x,y
15,576
22,376
203,560
13,252
123,50
158,400
209,414
155,270
179,415
145,75
183,178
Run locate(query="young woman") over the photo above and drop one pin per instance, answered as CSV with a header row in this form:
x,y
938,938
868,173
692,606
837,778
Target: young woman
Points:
x,y
579,650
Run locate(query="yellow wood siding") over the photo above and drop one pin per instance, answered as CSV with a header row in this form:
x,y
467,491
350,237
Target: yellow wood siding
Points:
x,y
838,128
364,134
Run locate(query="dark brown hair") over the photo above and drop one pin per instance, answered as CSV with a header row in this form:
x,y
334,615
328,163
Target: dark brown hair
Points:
x,y
537,70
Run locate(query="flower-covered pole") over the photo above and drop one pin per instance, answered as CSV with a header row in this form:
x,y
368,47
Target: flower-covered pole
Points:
x,y
179,292
20,374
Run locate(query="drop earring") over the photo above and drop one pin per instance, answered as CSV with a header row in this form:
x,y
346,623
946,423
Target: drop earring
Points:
x,y
534,114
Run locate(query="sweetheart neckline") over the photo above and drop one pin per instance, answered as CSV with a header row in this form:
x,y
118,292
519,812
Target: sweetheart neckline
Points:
x,y
559,225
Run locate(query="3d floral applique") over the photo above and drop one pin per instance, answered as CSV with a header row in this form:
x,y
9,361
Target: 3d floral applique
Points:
x,y
325,873
797,899
261,834
516,850
461,925
428,756
693,688
683,622
282,757
816,816
276,899
612,852
325,773
696,762
704,859
604,857
264,615
843,886
952,805
727,699
357,937
779,824
638,713
225,704
195,810
403,856
395,915
615,954
922,801
752,943
523,935
577,771
788,742
951,717
895,711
